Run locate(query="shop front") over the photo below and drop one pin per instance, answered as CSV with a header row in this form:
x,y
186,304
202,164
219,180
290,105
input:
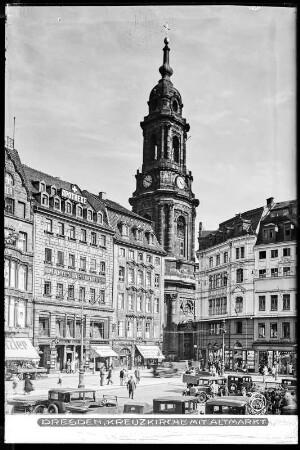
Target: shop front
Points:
x,y
283,359
149,355
19,352
234,359
102,355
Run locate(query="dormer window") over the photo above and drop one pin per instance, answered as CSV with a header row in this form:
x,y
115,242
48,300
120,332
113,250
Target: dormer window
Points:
x,y
149,237
57,203
269,232
53,191
99,217
42,186
9,179
287,231
79,211
90,215
68,207
45,200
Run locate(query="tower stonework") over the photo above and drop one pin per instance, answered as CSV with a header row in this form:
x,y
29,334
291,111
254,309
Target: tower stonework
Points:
x,y
164,195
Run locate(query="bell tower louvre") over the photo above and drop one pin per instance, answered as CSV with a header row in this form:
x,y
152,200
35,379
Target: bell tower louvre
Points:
x,y
164,195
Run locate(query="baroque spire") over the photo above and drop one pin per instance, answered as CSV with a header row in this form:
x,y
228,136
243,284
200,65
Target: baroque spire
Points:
x,y
166,70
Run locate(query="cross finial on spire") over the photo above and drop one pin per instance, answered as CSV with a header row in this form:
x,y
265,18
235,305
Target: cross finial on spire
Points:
x,y
166,26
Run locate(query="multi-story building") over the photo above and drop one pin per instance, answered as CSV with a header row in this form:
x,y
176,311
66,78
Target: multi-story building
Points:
x,y
225,290
138,290
18,261
275,302
164,195
73,268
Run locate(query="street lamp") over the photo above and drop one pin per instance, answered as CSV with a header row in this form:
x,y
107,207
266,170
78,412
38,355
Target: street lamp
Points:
x,y
81,367
223,329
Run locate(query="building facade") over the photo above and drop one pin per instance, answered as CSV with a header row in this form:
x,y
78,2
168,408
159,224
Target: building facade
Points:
x,y
226,290
138,288
164,195
73,268
275,287
18,252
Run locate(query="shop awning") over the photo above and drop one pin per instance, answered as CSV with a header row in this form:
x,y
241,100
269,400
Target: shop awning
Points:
x,y
19,349
104,351
150,351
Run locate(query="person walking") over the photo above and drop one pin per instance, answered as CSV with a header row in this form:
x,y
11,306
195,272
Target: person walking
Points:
x,y
214,388
68,366
109,376
131,385
102,375
60,379
73,366
15,381
137,375
121,377
273,371
265,373
28,385
125,380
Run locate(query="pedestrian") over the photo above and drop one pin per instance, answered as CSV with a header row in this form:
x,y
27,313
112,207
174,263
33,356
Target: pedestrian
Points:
x,y
273,371
68,366
137,374
125,376
121,377
131,385
28,385
214,389
15,381
244,391
102,375
265,373
109,375
290,369
60,379
213,370
73,366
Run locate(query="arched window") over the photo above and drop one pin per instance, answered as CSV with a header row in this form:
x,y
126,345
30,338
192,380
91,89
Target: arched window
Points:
x,y
68,207
9,179
153,148
45,200
90,215
99,217
176,149
239,276
175,106
239,305
181,236
79,211
42,186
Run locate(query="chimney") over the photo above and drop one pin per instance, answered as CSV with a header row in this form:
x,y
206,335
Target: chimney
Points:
x,y
102,195
270,202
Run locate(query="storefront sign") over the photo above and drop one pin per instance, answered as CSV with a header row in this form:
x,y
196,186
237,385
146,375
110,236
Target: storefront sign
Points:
x,y
73,196
74,275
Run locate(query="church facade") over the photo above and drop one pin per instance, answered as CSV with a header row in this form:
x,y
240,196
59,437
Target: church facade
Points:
x,y
164,195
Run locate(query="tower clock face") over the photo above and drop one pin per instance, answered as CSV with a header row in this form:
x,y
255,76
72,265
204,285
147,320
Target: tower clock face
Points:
x,y
180,182
147,180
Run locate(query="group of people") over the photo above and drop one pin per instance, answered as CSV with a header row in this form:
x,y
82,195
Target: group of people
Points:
x,y
71,367
130,381
28,385
276,369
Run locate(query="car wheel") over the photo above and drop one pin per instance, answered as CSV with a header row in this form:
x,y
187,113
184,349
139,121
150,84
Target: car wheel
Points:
x,y
52,409
201,397
39,409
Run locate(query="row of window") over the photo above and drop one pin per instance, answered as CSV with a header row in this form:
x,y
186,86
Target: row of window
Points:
x,y
218,328
91,295
269,231
137,330
18,313
61,261
137,232
276,272
138,303
239,254
218,280
70,327
286,251
74,234
217,306
20,241
16,275
285,302
138,277
285,330
15,208
140,256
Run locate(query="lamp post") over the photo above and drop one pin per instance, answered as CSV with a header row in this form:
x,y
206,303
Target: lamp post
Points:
x,y
81,367
223,347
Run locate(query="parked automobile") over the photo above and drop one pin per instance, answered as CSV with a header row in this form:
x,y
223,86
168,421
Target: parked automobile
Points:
x,y
169,369
175,405
236,405
203,389
192,379
237,382
137,408
63,400
289,384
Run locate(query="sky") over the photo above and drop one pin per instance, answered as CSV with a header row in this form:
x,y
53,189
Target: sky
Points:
x,y
78,79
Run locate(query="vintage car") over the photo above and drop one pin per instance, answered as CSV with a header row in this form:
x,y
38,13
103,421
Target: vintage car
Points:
x,y
203,389
169,369
235,383
63,400
137,408
289,384
175,405
240,405
192,380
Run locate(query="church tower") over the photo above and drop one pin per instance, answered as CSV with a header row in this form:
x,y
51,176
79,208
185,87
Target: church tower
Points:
x,y
164,195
